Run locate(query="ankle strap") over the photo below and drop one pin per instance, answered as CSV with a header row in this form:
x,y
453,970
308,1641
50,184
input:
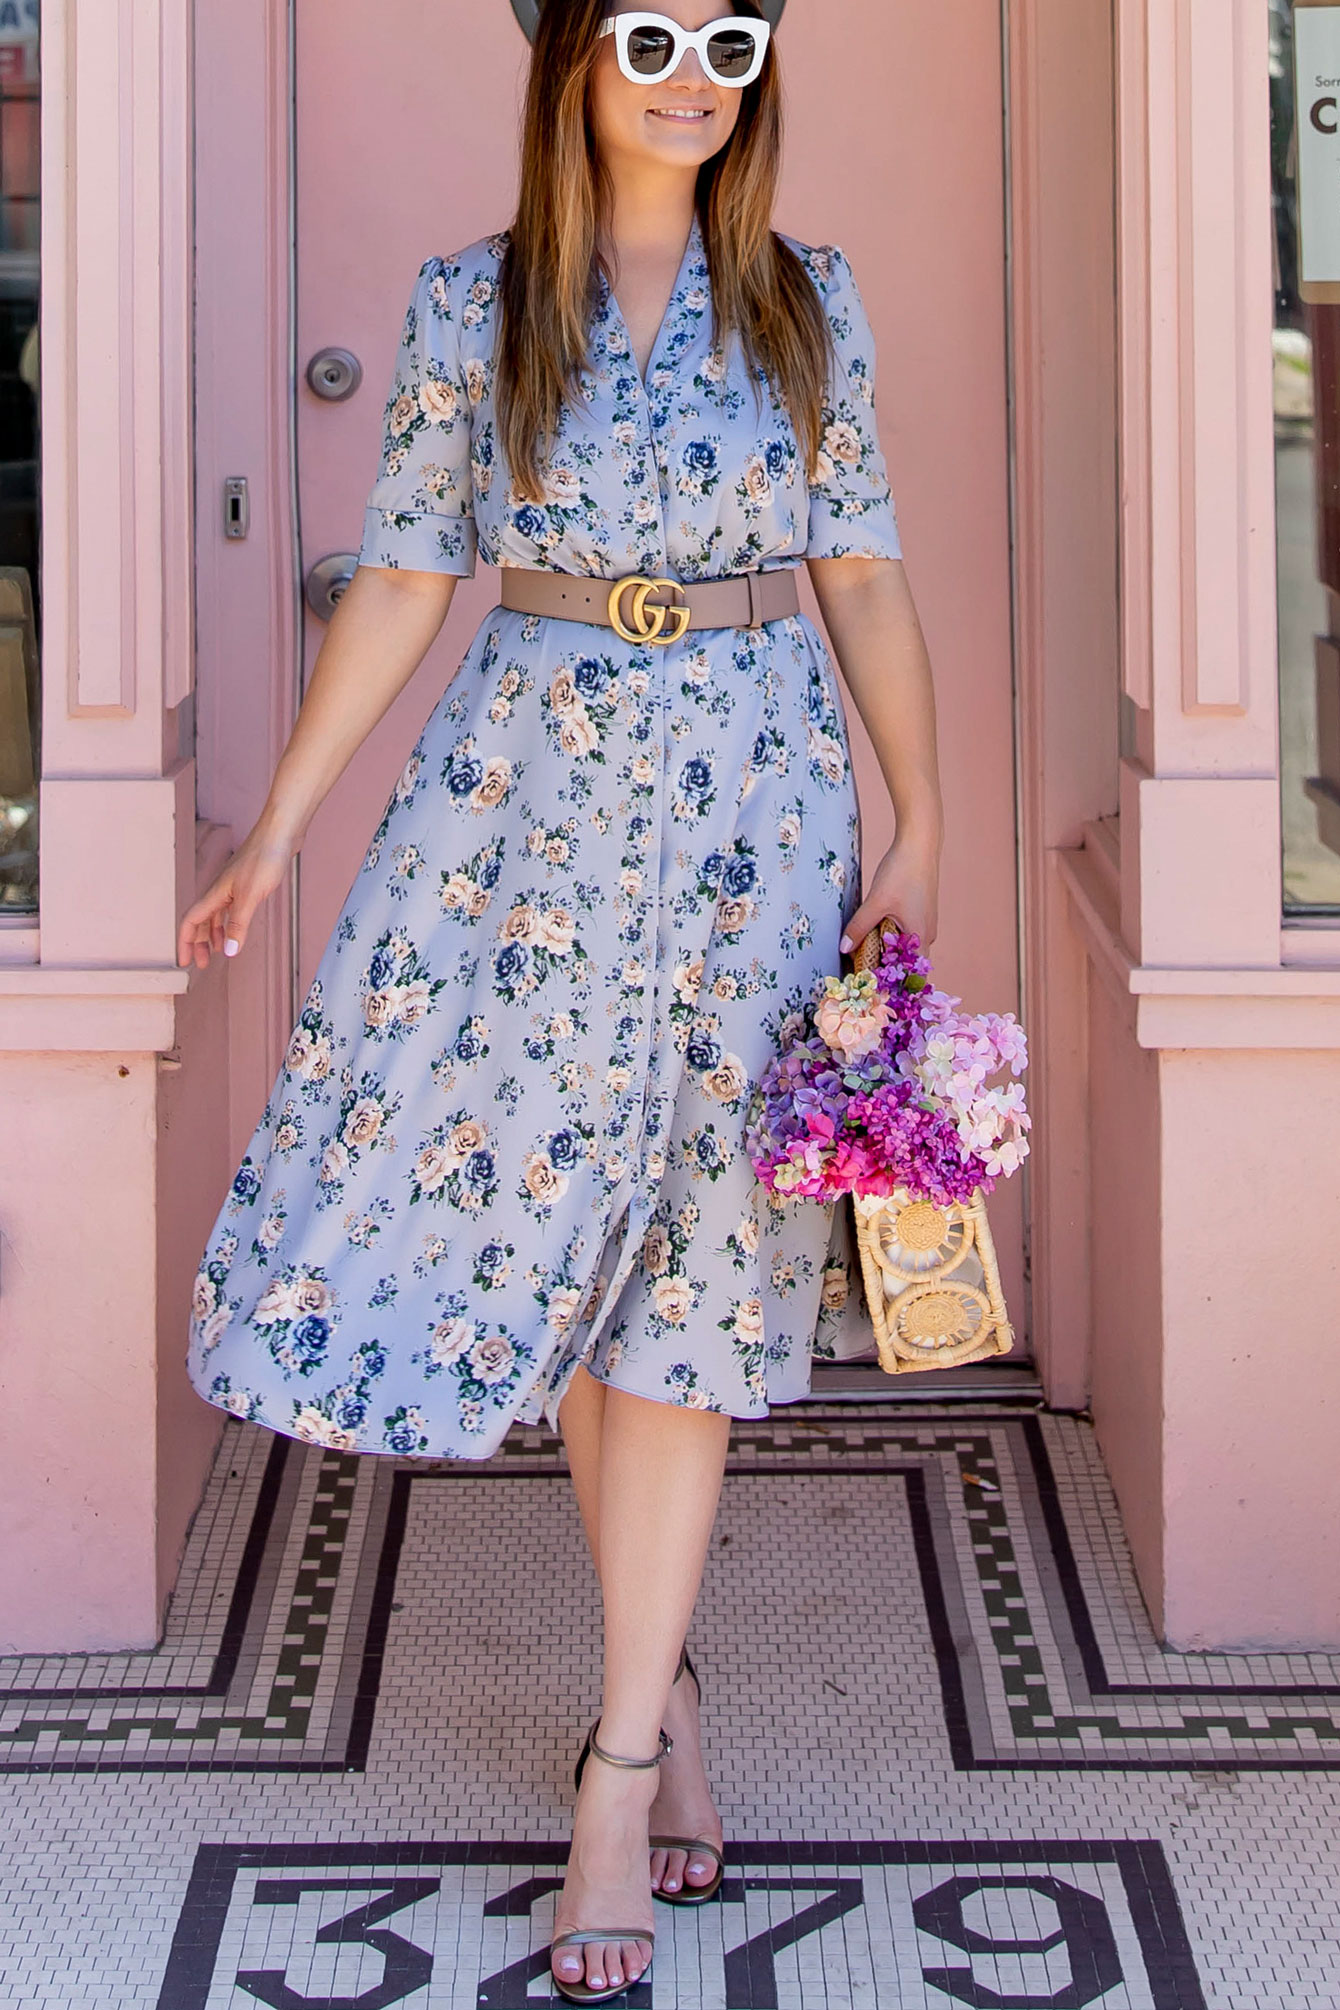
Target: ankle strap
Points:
x,y
613,1758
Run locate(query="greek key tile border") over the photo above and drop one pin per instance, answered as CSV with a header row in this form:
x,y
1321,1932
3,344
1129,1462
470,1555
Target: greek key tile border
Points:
x,y
261,1666
273,1655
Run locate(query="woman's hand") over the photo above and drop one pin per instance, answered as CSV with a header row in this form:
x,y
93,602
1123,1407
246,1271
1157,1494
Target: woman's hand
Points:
x,y
219,920
904,891
374,642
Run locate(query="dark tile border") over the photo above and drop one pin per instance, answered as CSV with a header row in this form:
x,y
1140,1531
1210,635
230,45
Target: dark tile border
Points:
x,y
1081,1621
923,1538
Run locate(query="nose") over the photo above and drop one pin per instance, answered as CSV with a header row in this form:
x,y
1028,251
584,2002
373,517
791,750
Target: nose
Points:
x,y
689,72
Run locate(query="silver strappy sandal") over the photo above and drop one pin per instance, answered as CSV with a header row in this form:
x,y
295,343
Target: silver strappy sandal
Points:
x,y
582,1992
689,1894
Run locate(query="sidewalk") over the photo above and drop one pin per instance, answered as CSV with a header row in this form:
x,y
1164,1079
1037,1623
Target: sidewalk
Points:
x,y
952,1764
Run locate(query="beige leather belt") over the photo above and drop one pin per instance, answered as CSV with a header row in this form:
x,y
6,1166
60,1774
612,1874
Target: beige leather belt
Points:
x,y
653,610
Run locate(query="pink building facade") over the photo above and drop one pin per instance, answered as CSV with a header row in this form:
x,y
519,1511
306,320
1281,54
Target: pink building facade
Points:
x,y
1109,389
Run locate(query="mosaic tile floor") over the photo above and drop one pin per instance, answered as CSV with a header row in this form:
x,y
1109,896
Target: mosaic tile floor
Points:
x,y
953,1765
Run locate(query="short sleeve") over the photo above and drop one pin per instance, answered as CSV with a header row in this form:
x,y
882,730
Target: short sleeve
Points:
x,y
420,510
851,505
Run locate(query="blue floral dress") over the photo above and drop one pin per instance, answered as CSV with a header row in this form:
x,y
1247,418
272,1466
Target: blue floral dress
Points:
x,y
508,1133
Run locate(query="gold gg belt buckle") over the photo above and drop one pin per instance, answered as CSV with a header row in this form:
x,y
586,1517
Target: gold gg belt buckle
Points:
x,y
648,622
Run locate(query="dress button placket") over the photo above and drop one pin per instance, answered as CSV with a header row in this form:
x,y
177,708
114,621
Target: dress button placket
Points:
x,y
660,694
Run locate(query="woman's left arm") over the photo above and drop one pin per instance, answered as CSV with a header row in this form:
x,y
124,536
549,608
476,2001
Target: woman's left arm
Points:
x,y
868,611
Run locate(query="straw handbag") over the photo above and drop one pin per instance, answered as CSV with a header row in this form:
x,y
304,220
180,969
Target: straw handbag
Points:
x,y
930,1273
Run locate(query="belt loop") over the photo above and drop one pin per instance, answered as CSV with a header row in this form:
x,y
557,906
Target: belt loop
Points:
x,y
755,599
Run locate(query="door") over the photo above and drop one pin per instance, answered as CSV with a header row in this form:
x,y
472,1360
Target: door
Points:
x,y
406,125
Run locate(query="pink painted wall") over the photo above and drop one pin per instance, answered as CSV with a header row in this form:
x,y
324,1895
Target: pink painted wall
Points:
x,y
1126,1254
108,1182
1251,1383
1068,651
193,1165
77,1380
1216,1384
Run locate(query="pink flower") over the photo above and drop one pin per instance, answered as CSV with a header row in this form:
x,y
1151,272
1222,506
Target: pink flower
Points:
x,y
852,1015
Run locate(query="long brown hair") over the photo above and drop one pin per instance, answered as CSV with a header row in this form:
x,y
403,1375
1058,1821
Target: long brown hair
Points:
x,y
549,277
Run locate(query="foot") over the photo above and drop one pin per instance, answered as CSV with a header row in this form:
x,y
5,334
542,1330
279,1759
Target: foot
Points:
x,y
606,1881
683,1805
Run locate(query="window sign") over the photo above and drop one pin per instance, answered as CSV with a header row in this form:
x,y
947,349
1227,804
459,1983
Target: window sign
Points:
x,y
18,41
20,601
1316,48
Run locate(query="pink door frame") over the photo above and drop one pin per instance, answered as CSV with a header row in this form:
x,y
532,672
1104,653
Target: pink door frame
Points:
x,y
1069,768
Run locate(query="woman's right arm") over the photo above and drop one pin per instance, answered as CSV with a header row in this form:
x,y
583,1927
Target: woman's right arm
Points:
x,y
379,634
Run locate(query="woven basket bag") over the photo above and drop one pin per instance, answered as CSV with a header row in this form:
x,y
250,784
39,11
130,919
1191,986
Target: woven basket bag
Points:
x,y
931,1279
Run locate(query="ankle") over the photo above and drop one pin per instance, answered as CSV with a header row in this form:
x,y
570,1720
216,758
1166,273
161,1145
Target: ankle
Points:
x,y
625,1746
617,1787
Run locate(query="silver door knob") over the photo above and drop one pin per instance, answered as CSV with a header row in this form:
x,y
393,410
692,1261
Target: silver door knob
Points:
x,y
327,580
334,374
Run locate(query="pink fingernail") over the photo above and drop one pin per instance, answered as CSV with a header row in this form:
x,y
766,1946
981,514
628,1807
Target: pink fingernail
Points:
x,y
230,948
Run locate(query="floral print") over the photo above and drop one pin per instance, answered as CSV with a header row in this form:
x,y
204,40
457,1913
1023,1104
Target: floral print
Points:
x,y
507,1135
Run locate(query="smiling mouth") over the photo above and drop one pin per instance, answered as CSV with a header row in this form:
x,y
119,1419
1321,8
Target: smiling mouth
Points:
x,y
685,116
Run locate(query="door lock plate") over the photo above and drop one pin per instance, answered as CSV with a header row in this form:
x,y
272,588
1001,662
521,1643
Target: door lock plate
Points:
x,y
334,374
236,506
327,580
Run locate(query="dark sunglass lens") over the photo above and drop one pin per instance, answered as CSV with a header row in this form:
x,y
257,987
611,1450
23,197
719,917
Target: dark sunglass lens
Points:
x,y
649,50
731,52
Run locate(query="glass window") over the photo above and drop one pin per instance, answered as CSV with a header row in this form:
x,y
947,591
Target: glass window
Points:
x,y
1304,69
20,612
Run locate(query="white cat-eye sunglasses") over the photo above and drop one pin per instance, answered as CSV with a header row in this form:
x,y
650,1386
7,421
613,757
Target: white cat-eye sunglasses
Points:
x,y
651,47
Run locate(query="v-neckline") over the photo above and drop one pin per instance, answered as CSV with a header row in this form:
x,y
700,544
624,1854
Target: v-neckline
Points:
x,y
680,276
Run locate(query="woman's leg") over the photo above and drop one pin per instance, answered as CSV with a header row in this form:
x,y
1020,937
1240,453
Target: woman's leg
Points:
x,y
683,1805
648,1478
581,1418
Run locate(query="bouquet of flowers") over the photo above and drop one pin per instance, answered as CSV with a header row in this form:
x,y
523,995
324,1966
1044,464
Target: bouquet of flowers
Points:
x,y
885,1091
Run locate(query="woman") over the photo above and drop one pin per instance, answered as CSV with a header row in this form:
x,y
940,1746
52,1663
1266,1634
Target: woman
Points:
x,y
502,1172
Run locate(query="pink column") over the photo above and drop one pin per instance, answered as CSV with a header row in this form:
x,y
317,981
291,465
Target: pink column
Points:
x,y
111,1164
1211,1063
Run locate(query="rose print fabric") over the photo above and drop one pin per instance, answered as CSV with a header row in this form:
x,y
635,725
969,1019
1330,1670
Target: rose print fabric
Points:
x,y
507,1135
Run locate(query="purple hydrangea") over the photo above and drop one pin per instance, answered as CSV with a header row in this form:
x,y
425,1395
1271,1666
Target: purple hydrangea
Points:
x,y
916,1111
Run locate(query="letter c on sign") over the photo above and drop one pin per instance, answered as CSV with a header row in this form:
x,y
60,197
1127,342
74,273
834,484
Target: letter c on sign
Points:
x,y
1321,106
